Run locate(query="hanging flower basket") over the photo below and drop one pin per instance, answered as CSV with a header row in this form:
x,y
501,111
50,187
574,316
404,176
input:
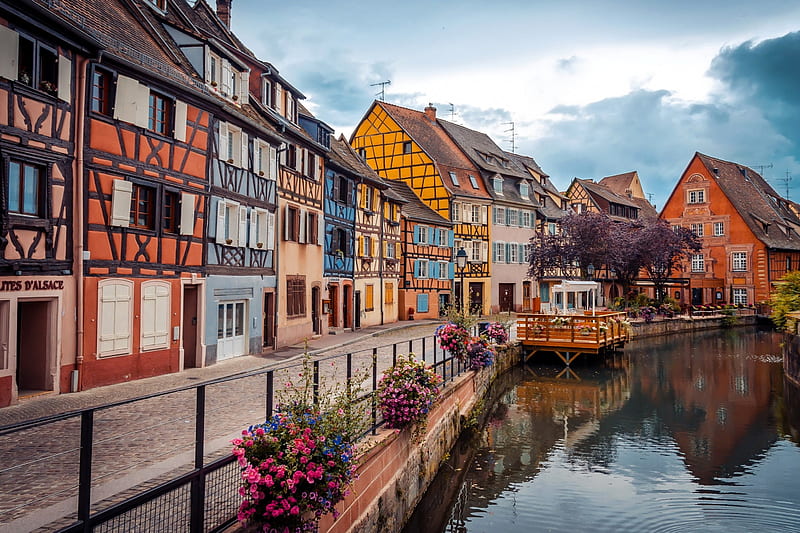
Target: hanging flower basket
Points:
x,y
453,338
406,392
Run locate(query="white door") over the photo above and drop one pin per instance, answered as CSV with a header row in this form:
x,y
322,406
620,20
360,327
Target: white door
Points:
x,y
231,337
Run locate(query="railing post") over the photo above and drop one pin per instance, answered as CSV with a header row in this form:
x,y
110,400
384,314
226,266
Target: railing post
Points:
x,y
394,354
316,382
423,349
85,472
374,391
198,487
270,395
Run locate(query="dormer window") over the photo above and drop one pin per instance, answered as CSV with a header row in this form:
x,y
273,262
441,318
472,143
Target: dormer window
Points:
x,y
266,92
473,181
224,78
523,189
497,185
161,5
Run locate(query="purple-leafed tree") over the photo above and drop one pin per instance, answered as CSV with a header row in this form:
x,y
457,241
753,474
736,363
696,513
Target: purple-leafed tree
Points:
x,y
626,254
664,248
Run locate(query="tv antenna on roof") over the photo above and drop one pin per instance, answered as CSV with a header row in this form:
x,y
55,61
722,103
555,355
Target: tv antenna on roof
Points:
x,y
383,85
452,112
785,182
513,139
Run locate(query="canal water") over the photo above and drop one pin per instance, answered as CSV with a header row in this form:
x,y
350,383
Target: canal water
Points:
x,y
693,432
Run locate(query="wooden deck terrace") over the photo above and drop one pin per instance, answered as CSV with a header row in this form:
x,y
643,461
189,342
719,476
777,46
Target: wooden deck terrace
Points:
x,y
570,335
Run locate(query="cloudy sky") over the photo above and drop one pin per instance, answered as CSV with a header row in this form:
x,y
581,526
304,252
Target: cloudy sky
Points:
x,y
593,88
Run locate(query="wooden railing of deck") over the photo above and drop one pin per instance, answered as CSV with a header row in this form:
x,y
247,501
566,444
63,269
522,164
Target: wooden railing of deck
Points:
x,y
589,330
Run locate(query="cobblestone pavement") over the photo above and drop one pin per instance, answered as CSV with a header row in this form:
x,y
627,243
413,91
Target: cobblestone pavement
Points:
x,y
138,442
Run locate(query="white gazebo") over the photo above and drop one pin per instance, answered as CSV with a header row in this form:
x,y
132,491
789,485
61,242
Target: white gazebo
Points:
x,y
584,296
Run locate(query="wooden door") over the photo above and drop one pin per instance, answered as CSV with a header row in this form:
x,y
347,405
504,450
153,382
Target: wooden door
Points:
x,y
190,327
506,297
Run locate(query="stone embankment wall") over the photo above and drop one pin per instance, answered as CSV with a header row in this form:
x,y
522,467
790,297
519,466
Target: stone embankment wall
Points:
x,y
398,468
684,324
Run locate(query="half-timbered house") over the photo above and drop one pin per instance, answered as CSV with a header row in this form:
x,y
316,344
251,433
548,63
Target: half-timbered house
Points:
x,y
427,271
401,143
629,185
240,253
41,89
341,184
586,196
391,251
748,231
513,215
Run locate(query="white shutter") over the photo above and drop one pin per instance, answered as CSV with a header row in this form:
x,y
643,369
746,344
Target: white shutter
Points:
x,y
241,235
226,78
64,78
126,96
278,99
320,229
121,203
223,141
207,56
9,53
263,228
142,106
187,213
271,231
221,215
273,163
484,214
286,215
244,87
114,334
155,319
253,228
317,171
180,120
245,161
484,251
303,216
300,160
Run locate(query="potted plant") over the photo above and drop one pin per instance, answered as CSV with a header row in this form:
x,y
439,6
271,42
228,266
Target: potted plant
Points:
x,y
228,241
496,332
259,244
406,392
480,353
453,338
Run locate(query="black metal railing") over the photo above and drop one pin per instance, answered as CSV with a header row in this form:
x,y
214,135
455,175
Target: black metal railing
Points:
x,y
163,461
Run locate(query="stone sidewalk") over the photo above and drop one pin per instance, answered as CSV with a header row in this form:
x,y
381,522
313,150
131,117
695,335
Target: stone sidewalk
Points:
x,y
53,404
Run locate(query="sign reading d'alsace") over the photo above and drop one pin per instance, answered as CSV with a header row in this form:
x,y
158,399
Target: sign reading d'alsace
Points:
x,y
32,285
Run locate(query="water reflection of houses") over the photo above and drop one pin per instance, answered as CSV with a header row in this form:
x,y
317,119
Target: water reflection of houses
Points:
x,y
718,409
543,413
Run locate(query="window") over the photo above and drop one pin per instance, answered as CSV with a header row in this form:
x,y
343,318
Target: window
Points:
x,y
262,229
388,293
499,215
423,235
513,251
739,296
697,229
719,229
342,193
551,228
422,303
454,178
170,211
407,147
266,92
362,153
37,65
524,191
160,114
676,228
476,251
473,181
101,92
445,269
497,185
421,268
697,196
231,223
312,229
295,296
366,198
456,207
788,263
739,261
339,242
26,189
698,263
475,214
369,297
390,250
155,315
142,213
291,224
500,252
512,217
114,317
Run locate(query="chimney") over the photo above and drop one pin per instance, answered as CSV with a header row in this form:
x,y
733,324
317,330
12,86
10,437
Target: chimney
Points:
x,y
224,12
430,112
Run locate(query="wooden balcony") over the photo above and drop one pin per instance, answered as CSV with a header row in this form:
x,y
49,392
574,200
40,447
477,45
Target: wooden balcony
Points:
x,y
569,335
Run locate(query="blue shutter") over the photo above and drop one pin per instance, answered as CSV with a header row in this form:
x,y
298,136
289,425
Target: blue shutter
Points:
x,y
422,303
450,238
416,234
494,252
451,270
434,274
521,254
494,216
416,268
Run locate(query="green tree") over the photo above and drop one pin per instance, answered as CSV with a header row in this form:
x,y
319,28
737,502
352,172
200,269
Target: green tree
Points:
x,y
784,300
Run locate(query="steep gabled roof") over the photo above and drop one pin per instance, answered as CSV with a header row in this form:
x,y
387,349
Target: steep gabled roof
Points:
x,y
765,212
482,150
446,155
343,156
628,185
414,208
619,183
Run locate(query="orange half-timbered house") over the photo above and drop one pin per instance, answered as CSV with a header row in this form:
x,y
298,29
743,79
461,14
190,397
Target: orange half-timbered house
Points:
x,y
427,258
40,95
749,233
401,143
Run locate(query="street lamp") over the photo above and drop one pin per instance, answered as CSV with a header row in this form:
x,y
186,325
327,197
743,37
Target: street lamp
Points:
x,y
590,271
590,275
461,262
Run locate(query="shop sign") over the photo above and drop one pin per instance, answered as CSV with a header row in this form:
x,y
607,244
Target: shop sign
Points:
x,y
32,285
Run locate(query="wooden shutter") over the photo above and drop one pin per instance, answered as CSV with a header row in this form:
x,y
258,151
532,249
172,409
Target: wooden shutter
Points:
x,y
245,160
126,102
225,84
494,251
416,234
278,99
273,162
484,214
180,120
422,303
484,251
450,238
64,78
9,53
374,246
207,57
286,214
221,215
244,87
241,234
320,230
187,213
121,203
114,331
398,250
362,198
303,217
376,200
155,319
253,228
223,141
360,245
271,231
